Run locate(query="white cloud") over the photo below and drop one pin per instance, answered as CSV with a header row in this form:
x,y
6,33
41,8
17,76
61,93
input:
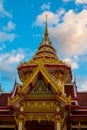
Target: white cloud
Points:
x,y
60,12
45,6
82,82
7,36
53,19
13,58
10,26
72,62
16,58
4,35
8,60
84,86
41,19
4,66
8,65
81,1
3,12
68,34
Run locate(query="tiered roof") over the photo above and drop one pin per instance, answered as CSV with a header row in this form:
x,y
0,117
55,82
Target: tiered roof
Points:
x,y
46,50
46,55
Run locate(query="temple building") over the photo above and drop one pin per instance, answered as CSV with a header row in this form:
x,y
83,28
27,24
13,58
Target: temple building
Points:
x,y
47,99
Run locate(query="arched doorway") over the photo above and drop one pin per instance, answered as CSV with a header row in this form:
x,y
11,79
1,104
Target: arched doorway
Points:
x,y
43,125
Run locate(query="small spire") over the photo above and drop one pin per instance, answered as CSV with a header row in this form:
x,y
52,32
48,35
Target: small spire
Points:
x,y
15,82
1,88
46,29
75,80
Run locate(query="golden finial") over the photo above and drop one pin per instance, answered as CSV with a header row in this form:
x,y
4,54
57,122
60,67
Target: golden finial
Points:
x,y
46,29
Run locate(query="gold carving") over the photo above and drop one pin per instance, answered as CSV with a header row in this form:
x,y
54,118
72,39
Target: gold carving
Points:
x,y
69,100
37,106
46,60
63,116
57,118
40,90
48,77
40,116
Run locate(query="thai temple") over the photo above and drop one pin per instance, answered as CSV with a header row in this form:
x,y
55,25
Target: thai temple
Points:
x,y
47,98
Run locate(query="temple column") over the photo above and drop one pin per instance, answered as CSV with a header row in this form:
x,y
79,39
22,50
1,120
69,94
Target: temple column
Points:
x,y
57,118
79,126
57,125
65,127
20,125
21,121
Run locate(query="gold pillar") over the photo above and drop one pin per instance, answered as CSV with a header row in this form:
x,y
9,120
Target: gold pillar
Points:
x,y
79,126
21,122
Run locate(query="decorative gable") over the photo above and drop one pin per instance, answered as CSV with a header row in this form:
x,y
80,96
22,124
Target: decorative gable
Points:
x,y
40,90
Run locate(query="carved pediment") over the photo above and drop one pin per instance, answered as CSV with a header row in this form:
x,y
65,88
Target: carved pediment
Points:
x,y
40,90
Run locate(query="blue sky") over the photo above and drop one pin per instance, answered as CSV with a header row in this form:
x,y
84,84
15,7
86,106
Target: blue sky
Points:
x,y
21,30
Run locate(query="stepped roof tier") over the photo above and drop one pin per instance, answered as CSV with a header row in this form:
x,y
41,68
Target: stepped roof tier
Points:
x,y
46,52
46,56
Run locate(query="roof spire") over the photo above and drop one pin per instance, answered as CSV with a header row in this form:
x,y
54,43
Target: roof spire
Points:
x,y
1,88
46,29
15,81
75,79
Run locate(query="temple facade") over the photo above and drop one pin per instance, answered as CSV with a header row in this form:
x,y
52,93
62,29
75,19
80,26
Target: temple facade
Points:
x,y
47,99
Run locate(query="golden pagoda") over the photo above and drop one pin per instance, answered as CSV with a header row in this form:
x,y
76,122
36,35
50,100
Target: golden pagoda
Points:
x,y
47,99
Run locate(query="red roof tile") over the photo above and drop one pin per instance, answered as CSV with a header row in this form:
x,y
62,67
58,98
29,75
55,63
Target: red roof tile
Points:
x,y
69,90
82,98
3,99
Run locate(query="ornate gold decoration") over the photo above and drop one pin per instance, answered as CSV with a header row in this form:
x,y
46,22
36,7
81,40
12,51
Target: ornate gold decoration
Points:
x,y
40,90
40,106
16,119
24,76
57,118
63,116
45,61
69,100
57,88
40,116
61,77
19,114
14,99
19,117
9,102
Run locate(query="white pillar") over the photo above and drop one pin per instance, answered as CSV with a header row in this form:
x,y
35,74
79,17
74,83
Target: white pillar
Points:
x,y
21,119
57,125
20,125
57,118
